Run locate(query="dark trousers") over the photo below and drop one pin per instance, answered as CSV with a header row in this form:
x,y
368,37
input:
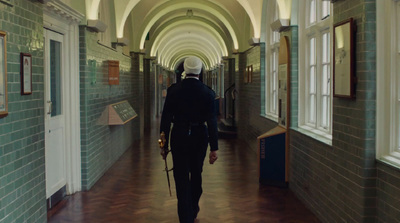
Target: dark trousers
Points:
x,y
188,153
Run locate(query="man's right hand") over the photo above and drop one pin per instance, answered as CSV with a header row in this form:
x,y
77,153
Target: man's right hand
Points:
x,y
164,153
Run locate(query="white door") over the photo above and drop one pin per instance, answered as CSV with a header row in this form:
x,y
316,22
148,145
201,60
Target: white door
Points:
x,y
54,113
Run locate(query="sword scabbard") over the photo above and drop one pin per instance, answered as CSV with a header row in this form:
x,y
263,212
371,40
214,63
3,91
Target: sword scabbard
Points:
x,y
162,142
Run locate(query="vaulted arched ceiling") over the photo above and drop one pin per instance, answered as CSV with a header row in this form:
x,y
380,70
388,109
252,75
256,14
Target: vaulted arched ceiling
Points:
x,y
171,30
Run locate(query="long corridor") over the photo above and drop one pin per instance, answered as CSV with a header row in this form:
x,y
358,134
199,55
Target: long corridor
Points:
x,y
135,189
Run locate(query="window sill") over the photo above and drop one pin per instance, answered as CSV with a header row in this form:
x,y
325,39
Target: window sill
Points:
x,y
270,117
315,134
391,161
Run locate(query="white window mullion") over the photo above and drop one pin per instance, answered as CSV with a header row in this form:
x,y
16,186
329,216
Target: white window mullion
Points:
x,y
325,83
312,83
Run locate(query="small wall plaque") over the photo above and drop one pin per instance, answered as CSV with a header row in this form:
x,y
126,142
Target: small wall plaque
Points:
x,y
3,75
113,72
26,73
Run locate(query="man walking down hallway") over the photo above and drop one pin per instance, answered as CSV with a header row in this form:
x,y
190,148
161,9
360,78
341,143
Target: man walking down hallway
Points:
x,y
189,105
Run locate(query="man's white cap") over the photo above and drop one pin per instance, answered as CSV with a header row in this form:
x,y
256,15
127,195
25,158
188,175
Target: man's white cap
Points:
x,y
192,65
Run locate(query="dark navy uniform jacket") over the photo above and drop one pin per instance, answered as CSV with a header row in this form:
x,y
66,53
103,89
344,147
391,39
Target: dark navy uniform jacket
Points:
x,y
190,102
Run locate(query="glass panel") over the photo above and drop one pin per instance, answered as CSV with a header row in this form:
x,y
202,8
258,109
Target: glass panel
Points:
x,y
328,81
311,118
312,51
324,112
312,12
325,8
325,80
312,80
328,113
55,77
325,48
273,92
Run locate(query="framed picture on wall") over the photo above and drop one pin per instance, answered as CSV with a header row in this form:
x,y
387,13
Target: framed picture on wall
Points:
x,y
3,75
250,73
246,75
343,53
26,73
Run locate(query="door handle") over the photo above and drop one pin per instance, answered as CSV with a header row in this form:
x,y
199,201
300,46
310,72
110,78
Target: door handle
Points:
x,y
50,107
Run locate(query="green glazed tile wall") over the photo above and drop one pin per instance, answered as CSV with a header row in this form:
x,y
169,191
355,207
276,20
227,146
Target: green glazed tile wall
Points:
x,y
248,106
102,144
338,182
22,163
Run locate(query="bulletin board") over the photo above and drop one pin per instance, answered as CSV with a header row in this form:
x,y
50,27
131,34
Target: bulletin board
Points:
x,y
284,80
113,72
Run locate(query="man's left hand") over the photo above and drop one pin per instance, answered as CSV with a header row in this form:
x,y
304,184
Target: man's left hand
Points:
x,y
213,157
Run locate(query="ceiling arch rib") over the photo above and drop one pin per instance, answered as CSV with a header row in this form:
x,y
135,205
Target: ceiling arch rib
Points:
x,y
200,42
185,50
182,20
190,31
92,9
254,11
157,13
173,43
120,18
177,59
189,47
192,39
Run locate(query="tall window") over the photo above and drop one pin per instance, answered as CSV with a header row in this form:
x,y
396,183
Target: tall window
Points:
x,y
104,16
315,68
271,77
388,82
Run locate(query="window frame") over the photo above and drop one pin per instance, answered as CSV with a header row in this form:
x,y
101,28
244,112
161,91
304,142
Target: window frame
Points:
x,y
308,30
272,56
388,83
104,15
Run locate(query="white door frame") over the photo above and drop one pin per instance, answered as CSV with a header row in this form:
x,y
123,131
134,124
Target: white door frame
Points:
x,y
61,18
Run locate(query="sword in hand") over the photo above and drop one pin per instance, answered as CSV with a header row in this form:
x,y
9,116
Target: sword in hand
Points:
x,y
164,153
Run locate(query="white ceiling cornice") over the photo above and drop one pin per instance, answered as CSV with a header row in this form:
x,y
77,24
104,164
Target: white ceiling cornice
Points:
x,y
64,11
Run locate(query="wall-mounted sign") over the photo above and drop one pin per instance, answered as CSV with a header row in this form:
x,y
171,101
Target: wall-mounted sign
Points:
x,y
113,72
26,73
3,75
120,113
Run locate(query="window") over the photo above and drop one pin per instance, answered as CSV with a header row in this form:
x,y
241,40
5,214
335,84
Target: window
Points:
x,y
104,16
315,111
271,77
388,82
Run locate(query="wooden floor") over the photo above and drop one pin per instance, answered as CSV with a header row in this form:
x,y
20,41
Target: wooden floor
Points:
x,y
135,190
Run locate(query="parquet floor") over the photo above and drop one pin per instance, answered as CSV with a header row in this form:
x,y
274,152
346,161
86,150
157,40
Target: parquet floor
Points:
x,y
135,190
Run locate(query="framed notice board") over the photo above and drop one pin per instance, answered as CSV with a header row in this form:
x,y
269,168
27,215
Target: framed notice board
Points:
x,y
113,72
284,81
